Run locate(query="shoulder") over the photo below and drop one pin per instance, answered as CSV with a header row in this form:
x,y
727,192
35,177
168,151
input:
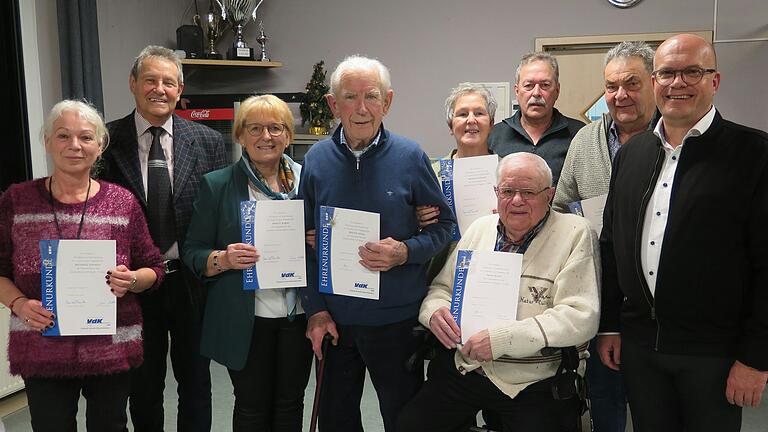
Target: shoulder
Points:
x,y
586,134
403,144
23,190
116,192
570,226
751,135
573,124
121,123
184,126
219,176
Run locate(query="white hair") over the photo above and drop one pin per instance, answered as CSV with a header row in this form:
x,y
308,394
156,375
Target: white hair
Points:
x,y
358,63
524,159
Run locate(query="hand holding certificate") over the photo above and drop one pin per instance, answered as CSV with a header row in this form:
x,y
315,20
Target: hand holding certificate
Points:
x,y
276,229
340,235
73,286
485,290
467,184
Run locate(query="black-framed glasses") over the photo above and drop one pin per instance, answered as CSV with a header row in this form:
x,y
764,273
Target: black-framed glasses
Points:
x,y
690,75
274,129
508,193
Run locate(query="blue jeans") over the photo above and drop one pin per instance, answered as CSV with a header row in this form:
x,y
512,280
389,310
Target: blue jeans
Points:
x,y
606,393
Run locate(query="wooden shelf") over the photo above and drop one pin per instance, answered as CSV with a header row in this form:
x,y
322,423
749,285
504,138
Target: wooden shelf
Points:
x,y
230,63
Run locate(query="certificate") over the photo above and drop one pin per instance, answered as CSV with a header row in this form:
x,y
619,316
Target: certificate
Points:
x,y
592,209
485,290
467,184
342,231
73,286
276,229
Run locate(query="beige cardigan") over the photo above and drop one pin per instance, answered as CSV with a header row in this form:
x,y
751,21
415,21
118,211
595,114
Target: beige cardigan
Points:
x,y
558,304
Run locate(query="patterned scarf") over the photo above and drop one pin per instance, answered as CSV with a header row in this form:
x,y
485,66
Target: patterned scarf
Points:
x,y
284,176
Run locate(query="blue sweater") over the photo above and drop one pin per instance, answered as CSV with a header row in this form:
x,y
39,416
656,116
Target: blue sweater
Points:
x,y
391,179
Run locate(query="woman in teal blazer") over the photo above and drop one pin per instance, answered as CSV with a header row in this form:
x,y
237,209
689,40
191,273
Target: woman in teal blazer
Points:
x,y
258,335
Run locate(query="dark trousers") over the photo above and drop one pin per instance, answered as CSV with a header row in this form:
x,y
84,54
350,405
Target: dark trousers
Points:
x,y
450,401
269,390
53,402
677,393
606,393
383,350
169,310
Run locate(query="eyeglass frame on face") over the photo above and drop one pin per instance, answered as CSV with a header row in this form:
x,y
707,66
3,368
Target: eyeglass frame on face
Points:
x,y
665,82
525,195
250,127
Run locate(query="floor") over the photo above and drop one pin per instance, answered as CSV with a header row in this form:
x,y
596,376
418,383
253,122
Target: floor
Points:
x,y
14,415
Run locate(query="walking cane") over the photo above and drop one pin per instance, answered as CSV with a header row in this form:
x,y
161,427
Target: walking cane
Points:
x,y
319,382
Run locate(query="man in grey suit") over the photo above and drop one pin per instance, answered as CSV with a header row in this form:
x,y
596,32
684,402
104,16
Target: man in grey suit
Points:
x,y
161,158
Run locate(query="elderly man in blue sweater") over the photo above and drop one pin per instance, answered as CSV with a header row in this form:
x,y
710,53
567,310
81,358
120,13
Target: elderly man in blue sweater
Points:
x,y
366,167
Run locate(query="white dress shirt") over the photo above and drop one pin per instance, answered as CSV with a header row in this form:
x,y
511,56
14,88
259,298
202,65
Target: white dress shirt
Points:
x,y
657,211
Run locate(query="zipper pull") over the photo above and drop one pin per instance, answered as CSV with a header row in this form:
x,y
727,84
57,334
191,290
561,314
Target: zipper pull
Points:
x,y
653,313
358,163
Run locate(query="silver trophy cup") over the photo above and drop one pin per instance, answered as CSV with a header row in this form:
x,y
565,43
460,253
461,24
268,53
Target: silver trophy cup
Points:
x,y
239,13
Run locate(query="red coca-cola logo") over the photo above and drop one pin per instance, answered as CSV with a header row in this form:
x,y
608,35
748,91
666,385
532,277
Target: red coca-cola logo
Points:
x,y
200,114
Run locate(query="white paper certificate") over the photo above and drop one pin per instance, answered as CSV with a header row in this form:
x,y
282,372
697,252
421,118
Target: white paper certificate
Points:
x,y
73,287
467,184
276,229
592,210
342,231
485,290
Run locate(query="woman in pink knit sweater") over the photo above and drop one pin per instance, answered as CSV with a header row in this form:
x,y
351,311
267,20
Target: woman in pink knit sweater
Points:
x,y
71,205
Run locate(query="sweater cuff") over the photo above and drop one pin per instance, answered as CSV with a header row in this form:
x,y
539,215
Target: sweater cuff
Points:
x,y
517,339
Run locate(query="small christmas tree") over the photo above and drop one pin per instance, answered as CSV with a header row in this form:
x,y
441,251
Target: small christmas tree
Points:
x,y
314,109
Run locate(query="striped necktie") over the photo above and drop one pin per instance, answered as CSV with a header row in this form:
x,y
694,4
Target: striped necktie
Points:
x,y
160,214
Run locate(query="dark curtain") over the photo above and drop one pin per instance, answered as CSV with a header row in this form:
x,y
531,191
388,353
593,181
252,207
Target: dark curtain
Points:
x,y
15,163
79,51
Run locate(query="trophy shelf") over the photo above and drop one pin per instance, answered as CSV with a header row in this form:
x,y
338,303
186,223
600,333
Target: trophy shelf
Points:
x,y
231,63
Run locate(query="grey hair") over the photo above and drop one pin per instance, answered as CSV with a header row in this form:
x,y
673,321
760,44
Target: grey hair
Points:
x,y
627,49
157,52
355,63
519,159
538,56
467,88
84,110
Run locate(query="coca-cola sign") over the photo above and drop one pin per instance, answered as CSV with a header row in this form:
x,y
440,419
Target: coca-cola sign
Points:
x,y
200,114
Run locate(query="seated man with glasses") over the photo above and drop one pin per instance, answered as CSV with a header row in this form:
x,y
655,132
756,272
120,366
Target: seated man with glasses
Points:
x,y
509,368
684,273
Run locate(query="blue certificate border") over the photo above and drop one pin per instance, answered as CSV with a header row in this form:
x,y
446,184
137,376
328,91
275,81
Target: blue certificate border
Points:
x,y
48,252
324,251
247,219
446,183
463,258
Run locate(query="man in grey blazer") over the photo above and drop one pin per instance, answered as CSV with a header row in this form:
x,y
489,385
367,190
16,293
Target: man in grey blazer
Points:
x,y
161,158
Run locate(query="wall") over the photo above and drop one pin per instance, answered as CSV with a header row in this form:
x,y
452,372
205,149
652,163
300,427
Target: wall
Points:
x,y
430,46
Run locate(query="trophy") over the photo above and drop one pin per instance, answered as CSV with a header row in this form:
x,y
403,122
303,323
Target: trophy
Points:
x,y
262,40
213,24
239,12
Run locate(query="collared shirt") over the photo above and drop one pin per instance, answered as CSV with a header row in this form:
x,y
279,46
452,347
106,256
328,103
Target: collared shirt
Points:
x,y
613,140
144,137
657,212
504,244
359,153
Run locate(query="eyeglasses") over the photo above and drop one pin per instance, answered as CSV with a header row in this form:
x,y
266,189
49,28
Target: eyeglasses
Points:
x,y
690,75
508,193
274,129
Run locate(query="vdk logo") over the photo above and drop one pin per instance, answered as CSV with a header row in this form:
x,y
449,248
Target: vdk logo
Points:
x,y
288,275
361,285
94,320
